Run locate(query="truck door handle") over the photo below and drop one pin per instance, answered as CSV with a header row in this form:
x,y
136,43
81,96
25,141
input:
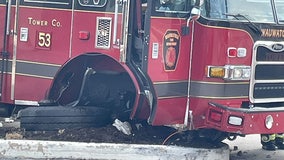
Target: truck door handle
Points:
x,y
115,41
124,30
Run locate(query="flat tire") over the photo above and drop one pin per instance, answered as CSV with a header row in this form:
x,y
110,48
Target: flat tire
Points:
x,y
58,117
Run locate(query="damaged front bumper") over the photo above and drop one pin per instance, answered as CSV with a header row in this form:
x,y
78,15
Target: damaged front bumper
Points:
x,y
255,120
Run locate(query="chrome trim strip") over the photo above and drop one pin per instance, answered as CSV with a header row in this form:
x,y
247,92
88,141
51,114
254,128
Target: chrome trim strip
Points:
x,y
124,30
114,38
255,109
270,81
9,17
186,117
15,45
268,45
274,63
71,31
26,103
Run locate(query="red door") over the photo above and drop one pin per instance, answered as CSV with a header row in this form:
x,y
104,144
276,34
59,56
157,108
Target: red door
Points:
x,y
169,61
42,47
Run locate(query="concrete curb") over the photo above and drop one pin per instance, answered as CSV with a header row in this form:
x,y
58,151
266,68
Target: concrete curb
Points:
x,y
33,149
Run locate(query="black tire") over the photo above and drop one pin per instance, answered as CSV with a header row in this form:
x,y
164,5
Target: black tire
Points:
x,y
51,118
212,135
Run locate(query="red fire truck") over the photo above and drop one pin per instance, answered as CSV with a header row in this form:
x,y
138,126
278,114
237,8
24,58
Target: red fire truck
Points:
x,y
211,66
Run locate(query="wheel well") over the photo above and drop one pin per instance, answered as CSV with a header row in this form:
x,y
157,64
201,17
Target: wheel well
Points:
x,y
107,84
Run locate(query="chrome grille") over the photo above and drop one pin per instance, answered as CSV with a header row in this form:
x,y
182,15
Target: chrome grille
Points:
x,y
267,82
103,32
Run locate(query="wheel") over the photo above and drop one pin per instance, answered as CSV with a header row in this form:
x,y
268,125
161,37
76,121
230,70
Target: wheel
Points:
x,y
50,118
6,110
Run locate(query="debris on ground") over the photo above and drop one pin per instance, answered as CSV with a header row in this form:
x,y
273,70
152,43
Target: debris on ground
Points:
x,y
141,133
124,127
13,135
8,120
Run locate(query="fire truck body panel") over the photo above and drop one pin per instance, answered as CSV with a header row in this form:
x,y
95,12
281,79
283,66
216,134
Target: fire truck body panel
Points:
x,y
42,45
161,35
169,73
79,45
238,115
45,31
211,36
204,89
245,121
225,92
197,72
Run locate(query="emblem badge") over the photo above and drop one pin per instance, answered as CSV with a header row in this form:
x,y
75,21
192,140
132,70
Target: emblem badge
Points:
x,y
277,47
171,49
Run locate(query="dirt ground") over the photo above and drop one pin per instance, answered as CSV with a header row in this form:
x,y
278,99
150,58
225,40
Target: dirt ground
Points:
x,y
141,133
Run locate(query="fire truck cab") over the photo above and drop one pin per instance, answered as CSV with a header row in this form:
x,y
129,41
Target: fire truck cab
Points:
x,y
211,66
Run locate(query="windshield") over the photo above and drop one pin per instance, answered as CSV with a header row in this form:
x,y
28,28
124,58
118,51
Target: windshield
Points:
x,y
280,10
252,10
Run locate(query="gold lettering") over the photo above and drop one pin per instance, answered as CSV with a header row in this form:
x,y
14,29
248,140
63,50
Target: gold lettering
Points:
x,y
55,23
273,33
36,22
30,20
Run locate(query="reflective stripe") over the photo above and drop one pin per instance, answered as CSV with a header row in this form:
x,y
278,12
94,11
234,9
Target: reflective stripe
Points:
x,y
33,69
281,135
219,90
171,89
202,89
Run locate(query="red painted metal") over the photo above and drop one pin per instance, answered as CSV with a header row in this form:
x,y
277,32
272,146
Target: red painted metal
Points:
x,y
252,122
56,36
156,69
212,46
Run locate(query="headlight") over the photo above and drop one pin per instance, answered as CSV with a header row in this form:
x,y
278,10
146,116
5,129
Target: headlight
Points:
x,y
237,73
229,72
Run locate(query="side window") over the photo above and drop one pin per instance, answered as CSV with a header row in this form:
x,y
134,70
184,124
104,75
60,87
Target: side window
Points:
x,y
66,2
173,5
172,8
215,9
48,3
280,10
2,1
93,3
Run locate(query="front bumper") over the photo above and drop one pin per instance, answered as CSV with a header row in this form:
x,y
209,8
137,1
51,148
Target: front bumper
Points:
x,y
256,120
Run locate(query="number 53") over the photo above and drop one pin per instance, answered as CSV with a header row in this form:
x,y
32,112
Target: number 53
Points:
x,y
44,40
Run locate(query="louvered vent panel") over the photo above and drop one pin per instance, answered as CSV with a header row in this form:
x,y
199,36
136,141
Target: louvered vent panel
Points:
x,y
103,32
